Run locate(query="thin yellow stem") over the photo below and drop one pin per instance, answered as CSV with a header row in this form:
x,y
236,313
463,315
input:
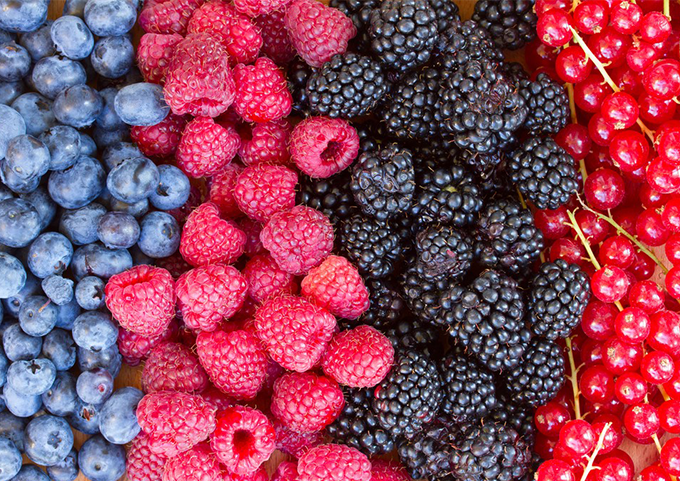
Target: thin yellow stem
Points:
x,y
574,379
582,168
572,102
655,438
667,8
598,446
521,197
663,392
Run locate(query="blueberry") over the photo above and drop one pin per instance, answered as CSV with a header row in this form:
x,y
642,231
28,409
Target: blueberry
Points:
x,y
12,125
9,91
43,203
19,222
61,399
77,185
87,145
110,359
115,154
49,439
12,276
80,225
65,470
85,418
51,75
36,111
78,106
90,293
58,289
38,316
139,258
30,472
27,156
38,43
59,347
5,193
118,419
10,460
72,37
31,378
23,16
94,387
74,7
31,286
63,142
95,331
141,104
16,183
50,254
108,119
173,189
105,138
12,428
19,346
160,235
95,259
4,365
118,230
137,210
133,180
113,57
110,17
100,460
15,62
68,314
6,36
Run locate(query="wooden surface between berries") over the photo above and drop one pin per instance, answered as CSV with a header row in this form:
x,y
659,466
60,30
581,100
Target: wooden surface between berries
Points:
x,y
642,455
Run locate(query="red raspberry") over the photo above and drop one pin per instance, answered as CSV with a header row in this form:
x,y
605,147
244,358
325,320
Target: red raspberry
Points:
x,y
262,93
285,471
208,239
175,265
222,190
294,331
293,443
167,16
306,402
298,239
234,361
134,348
143,464
383,470
160,140
154,53
252,228
142,299
274,369
200,462
321,146
259,475
275,41
206,147
318,32
266,279
208,294
175,421
253,8
173,367
234,30
217,398
199,80
263,190
243,439
334,462
266,143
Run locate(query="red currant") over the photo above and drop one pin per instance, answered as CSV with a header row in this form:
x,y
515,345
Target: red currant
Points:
x,y
626,217
554,27
625,17
632,325
669,416
554,470
610,46
657,367
630,388
670,456
544,445
589,94
614,407
591,352
614,436
641,56
537,54
665,332
656,111
641,421
672,387
594,229
601,130
572,64
550,418
671,215
617,251
655,27
643,268
653,473
650,198
609,284
668,142
663,79
575,140
650,229
647,295
598,320
629,150
542,6
620,109
604,189
627,80
619,357
597,384
577,437
614,469
591,16
672,281
663,176
553,223
567,249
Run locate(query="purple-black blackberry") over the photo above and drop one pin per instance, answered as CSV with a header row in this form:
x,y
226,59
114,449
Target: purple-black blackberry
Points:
x,y
512,23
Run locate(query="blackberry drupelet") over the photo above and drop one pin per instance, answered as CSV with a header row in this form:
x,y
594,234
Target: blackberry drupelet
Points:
x,y
515,71
297,75
330,196
358,427
558,295
543,172
446,11
348,85
383,181
359,11
369,139
403,33
519,417
484,165
463,42
430,299
512,23
548,105
387,306
443,249
409,396
469,390
410,333
372,245
431,454
540,375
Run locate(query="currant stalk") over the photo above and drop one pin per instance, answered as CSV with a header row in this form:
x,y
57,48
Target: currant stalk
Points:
x,y
591,459
574,379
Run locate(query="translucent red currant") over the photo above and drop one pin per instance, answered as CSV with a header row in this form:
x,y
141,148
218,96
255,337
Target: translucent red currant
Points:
x,y
669,416
655,27
597,384
598,320
575,140
641,420
663,79
665,332
657,367
554,27
650,229
577,437
614,435
620,109
609,284
653,473
647,295
629,150
572,64
552,222
594,228
625,17
614,469
554,470
670,456
550,418
619,357
569,250
632,325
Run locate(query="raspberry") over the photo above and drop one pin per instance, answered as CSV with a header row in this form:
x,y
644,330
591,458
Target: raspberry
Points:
x,y
285,471
134,348
275,41
294,331
293,443
199,80
322,147
206,147
298,239
208,239
262,93
217,398
175,265
336,285
142,463
208,294
167,16
253,8
175,421
334,462
160,140
243,439
173,367
323,401
263,190
234,361
154,53
360,357
317,32
266,143
234,30
382,470
252,229
266,279
200,462
222,190
259,475
142,299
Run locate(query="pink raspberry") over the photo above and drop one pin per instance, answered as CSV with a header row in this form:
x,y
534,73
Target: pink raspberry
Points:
x,y
275,41
199,80
208,239
167,16
323,401
142,464
252,229
294,331
322,147
160,140
217,398
259,475
334,462
253,8
175,265
293,443
298,239
382,470
142,299
234,30
273,371
266,143
234,361
175,421
134,348
208,294
266,279
263,190
318,32
154,53
262,93
360,357
243,439
206,147
200,462
222,190
285,471
173,367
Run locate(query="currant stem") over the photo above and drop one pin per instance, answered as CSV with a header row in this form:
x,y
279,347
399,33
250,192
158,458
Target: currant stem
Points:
x,y
667,8
663,392
598,446
572,102
574,379
657,443
521,198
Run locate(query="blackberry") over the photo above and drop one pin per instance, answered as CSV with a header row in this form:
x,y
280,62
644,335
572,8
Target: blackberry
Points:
x,y
515,71
506,236
543,172
469,391
431,299
387,306
298,74
519,417
347,86
369,139
558,295
548,105
463,42
372,246
412,334
358,427
512,23
484,165
431,453
540,376
383,181
359,11
403,33
446,11
409,396
443,249
330,196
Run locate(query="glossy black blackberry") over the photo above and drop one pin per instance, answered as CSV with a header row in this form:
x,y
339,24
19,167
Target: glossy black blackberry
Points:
x,y
540,375
358,427
348,85
463,42
409,396
409,333
446,11
430,299
359,11
543,172
548,105
443,249
469,390
371,244
515,71
383,181
558,295
403,33
369,138
387,305
330,196
512,23
431,454
298,73
519,417
506,236
484,165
